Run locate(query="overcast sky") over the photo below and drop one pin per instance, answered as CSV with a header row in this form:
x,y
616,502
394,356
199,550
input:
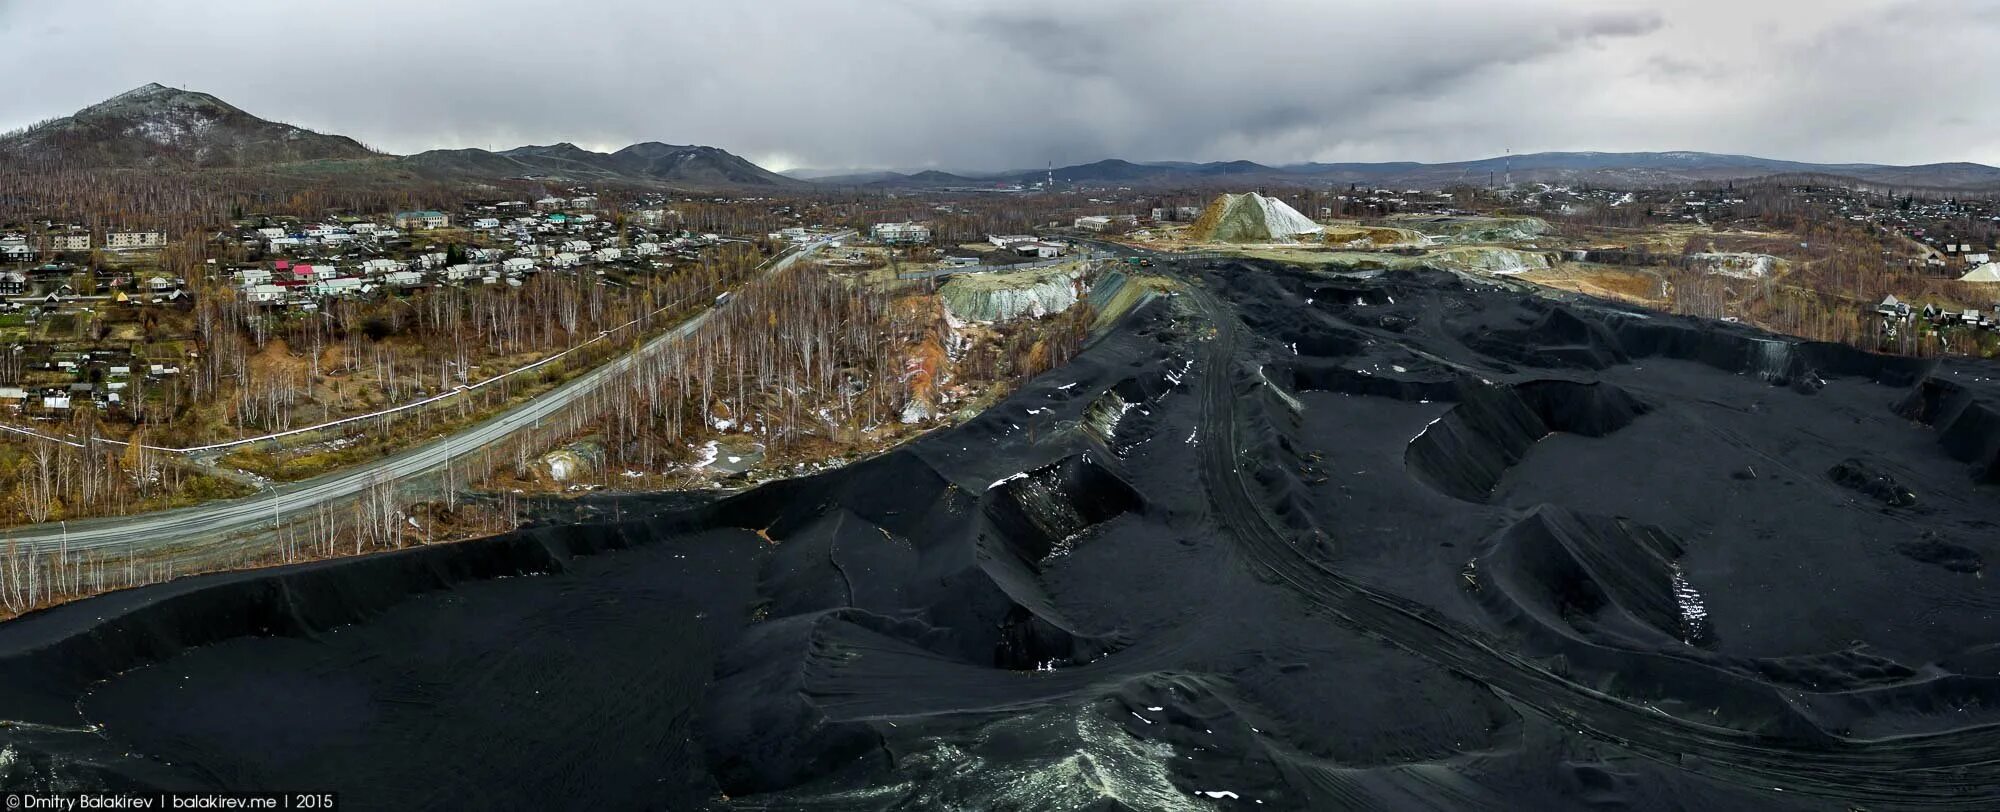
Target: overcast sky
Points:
x,y
993,84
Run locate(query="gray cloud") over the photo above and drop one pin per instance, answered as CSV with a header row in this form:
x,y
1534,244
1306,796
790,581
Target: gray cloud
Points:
x,y
1018,83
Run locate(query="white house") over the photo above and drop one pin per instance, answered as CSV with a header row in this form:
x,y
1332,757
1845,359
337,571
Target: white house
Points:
x,y
609,255
432,260
377,267
551,203
459,272
337,238
646,249
271,233
566,259
576,247
362,228
1041,250
585,202
339,286
487,223
264,294
404,279
252,277
518,265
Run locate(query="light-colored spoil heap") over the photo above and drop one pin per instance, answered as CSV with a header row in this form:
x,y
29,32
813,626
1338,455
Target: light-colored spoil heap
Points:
x,y
1487,259
1462,230
996,297
1253,218
1741,266
1367,238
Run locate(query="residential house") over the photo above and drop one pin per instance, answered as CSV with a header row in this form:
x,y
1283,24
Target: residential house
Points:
x,y
340,286
13,284
584,202
609,255
264,294
486,223
404,279
646,249
70,241
518,265
134,240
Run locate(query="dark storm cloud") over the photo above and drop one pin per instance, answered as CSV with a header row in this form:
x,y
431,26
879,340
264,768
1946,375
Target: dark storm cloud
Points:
x,y
1019,83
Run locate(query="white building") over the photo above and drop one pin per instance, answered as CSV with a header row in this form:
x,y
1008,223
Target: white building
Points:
x,y
901,233
68,242
487,223
404,279
585,202
575,247
264,294
609,255
1103,223
646,249
1041,250
252,277
566,259
340,286
134,240
377,267
422,219
518,265
271,233
1008,240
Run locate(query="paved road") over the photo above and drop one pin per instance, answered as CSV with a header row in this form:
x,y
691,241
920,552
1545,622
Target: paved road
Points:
x,y
216,521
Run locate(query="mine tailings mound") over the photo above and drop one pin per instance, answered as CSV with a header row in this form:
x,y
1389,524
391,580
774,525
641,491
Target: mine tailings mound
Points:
x,y
1465,452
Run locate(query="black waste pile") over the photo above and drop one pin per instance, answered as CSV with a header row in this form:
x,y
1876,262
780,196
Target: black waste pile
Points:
x,y
1285,540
